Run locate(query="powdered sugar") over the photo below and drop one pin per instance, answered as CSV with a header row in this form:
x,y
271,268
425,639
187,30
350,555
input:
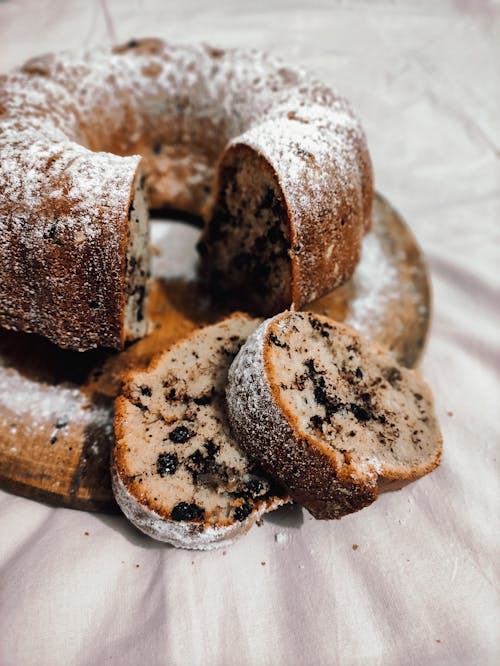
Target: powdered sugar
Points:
x,y
39,404
183,534
179,107
376,283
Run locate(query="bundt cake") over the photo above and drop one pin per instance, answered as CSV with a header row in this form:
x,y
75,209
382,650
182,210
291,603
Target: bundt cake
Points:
x,y
275,162
332,417
177,474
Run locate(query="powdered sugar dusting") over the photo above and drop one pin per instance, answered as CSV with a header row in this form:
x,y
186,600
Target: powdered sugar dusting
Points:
x,y
179,107
376,283
40,404
183,534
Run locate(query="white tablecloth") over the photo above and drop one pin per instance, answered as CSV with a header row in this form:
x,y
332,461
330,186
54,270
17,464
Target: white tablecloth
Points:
x,y
422,585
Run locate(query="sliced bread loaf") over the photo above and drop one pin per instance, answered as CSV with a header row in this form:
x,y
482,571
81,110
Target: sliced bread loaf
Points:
x,y
332,417
177,473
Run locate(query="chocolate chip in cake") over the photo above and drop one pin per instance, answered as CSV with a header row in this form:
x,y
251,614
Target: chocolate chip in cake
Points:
x,y
255,488
320,395
360,412
180,435
310,366
276,341
145,390
203,400
141,291
316,420
167,463
187,512
320,327
243,511
211,448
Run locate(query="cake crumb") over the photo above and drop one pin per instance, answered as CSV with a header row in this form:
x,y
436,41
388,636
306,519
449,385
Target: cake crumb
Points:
x,y
450,413
137,566
263,564
87,533
355,546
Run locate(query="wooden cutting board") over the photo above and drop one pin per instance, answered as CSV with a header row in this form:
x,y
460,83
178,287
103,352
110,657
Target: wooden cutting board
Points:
x,y
56,406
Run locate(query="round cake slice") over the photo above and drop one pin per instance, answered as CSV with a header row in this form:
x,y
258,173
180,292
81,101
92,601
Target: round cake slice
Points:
x,y
177,472
334,418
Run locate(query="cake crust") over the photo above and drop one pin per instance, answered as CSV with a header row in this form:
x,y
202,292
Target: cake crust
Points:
x,y
76,131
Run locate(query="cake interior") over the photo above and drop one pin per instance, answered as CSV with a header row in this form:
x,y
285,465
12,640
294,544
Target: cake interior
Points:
x,y
245,246
178,451
356,404
137,264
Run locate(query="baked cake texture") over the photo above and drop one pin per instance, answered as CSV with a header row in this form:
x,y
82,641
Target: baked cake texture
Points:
x,y
274,160
333,418
177,473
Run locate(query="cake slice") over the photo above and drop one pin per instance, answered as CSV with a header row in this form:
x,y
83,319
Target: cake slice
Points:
x,y
177,472
333,418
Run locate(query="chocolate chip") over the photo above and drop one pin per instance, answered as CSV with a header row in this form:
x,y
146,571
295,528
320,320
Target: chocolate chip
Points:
x,y
157,148
141,291
203,400
320,395
275,234
243,511
185,511
321,327
310,366
146,390
360,413
167,463
198,459
317,421
255,488
180,435
211,448
276,341
260,244
358,373
268,198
